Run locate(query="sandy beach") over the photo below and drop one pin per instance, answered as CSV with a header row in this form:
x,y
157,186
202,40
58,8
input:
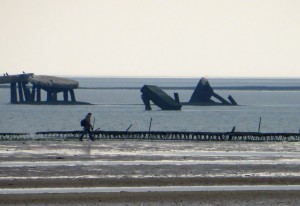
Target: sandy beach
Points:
x,y
66,164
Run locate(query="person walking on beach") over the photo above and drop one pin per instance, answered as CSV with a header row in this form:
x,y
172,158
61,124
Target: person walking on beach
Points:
x,y
87,127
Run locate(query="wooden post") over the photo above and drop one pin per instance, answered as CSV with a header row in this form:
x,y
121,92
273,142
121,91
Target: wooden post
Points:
x,y
128,127
232,131
13,93
73,99
150,124
21,99
38,94
259,125
66,95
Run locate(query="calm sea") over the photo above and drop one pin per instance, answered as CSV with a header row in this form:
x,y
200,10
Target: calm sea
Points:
x,y
117,104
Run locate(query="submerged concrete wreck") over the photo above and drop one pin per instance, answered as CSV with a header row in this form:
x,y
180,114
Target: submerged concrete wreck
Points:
x,y
158,97
204,92
202,96
26,89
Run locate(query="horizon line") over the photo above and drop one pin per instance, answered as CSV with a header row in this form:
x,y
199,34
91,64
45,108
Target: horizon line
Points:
x,y
179,77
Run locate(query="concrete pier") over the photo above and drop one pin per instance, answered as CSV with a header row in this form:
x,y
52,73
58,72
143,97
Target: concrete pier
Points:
x,y
50,84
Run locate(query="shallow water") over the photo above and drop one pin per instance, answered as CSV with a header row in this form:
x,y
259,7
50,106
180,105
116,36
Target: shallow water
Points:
x,y
116,109
142,159
145,162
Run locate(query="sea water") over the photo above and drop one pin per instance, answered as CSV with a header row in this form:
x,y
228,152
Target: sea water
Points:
x,y
117,104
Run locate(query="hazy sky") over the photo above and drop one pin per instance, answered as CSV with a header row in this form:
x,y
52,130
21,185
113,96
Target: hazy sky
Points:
x,y
180,38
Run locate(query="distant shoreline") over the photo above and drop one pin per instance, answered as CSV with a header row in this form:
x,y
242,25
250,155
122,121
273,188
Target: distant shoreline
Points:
x,y
239,88
244,88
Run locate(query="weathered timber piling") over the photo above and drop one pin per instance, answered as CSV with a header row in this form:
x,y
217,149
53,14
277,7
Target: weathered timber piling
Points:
x,y
232,131
177,135
259,124
14,136
127,128
150,124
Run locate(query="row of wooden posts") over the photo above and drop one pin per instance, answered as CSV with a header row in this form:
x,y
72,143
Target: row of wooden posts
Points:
x,y
177,135
160,135
21,90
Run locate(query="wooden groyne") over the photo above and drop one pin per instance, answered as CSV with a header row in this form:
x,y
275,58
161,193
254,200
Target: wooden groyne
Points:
x,y
14,136
177,135
160,135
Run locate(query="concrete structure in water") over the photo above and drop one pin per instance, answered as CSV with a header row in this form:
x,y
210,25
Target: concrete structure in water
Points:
x,y
158,97
21,93
204,92
201,97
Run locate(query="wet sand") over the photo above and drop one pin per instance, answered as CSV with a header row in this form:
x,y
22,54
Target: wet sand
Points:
x,y
174,198
49,164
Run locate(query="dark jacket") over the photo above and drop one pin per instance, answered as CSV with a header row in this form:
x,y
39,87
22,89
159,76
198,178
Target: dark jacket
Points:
x,y
88,124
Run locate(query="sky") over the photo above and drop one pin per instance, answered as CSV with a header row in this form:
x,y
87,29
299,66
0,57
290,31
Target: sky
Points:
x,y
151,38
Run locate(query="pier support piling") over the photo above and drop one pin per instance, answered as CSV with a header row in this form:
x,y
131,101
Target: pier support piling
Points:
x,y
26,88
33,92
73,99
21,98
13,93
38,94
54,96
49,96
26,92
66,96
